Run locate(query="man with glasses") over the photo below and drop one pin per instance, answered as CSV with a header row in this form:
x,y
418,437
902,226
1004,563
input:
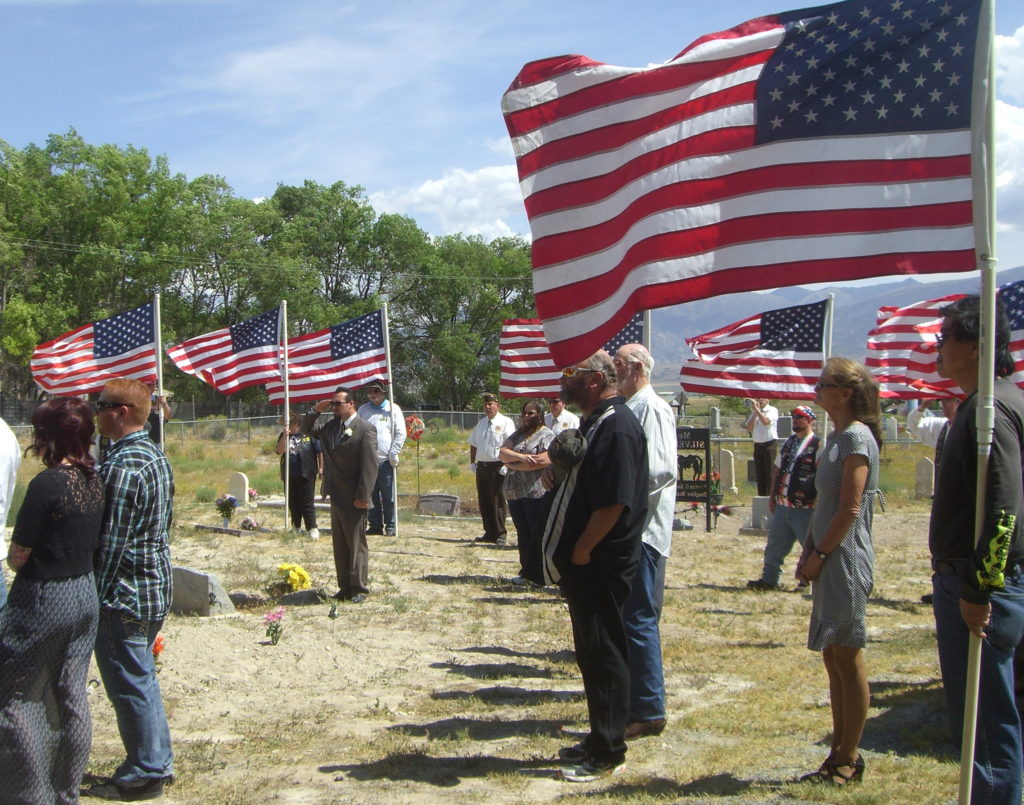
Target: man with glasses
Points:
x,y
133,578
485,442
387,418
591,547
558,418
349,448
978,586
647,716
791,502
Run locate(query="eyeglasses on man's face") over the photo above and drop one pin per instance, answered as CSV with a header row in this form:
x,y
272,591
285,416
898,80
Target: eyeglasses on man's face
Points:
x,y
336,403
106,405
824,384
572,371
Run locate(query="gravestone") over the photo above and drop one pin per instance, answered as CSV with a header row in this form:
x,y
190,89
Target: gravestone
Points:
x,y
438,504
925,481
238,485
758,522
198,593
727,471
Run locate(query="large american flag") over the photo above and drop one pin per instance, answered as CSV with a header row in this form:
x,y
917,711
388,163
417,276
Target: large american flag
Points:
x,y
236,357
921,380
83,360
901,351
775,354
527,368
347,354
819,145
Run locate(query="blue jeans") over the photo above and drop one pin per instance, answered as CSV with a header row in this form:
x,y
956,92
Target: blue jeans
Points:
x,y
124,655
787,526
641,615
997,751
382,513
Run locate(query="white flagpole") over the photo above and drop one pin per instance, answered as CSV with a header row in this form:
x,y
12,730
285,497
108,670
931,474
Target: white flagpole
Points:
x,y
647,330
827,350
391,404
282,324
986,366
159,368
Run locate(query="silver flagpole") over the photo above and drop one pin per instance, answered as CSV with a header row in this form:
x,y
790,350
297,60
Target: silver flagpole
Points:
x,y
391,404
827,350
283,362
986,371
159,368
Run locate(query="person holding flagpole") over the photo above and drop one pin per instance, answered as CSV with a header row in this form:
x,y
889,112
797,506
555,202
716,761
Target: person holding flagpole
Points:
x,y
979,588
838,557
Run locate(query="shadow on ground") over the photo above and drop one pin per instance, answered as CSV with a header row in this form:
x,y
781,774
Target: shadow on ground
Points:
x,y
502,695
912,720
560,655
479,729
502,670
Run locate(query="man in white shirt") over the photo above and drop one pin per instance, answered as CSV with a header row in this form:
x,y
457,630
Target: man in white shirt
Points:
x,y
558,419
633,367
762,427
10,460
387,418
485,441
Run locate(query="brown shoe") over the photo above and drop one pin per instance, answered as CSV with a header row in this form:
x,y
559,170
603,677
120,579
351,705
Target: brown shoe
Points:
x,y
640,729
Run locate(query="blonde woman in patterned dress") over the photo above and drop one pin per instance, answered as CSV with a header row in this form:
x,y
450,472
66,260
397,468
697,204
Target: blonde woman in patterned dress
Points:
x,y
839,560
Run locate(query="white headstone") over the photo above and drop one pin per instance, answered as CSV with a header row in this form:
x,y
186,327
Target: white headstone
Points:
x,y
759,512
727,469
925,480
238,485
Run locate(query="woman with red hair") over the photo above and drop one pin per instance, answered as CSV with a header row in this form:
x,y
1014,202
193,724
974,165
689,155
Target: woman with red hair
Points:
x,y
48,627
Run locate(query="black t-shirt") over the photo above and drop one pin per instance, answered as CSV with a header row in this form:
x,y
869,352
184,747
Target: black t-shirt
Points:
x,y
60,520
614,471
951,531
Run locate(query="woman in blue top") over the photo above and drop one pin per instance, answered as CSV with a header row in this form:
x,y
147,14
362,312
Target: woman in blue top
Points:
x,y
839,559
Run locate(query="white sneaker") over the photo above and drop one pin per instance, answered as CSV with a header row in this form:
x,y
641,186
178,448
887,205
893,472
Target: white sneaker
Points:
x,y
314,534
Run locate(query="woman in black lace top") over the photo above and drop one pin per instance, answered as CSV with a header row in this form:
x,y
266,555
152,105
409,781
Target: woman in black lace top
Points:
x,y
48,628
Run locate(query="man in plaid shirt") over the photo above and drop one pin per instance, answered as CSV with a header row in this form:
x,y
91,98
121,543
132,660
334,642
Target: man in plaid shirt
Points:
x,y
133,577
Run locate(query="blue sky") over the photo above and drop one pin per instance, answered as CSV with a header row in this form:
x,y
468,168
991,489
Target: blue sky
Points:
x,y
402,98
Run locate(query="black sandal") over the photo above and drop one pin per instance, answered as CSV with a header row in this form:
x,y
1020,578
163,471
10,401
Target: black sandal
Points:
x,y
836,777
822,775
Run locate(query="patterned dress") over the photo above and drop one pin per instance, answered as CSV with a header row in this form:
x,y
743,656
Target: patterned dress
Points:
x,y
840,593
47,633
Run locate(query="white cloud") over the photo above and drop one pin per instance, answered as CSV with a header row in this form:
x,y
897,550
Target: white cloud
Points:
x,y
1010,66
1009,165
484,202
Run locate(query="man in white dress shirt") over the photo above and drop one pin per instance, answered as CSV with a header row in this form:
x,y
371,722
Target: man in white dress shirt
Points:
x,y
485,441
389,421
633,367
10,460
558,419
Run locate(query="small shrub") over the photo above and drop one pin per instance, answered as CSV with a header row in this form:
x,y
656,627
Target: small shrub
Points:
x,y
197,451
452,469
205,494
216,431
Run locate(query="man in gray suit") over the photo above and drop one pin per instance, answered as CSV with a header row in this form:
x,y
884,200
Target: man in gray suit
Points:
x,y
349,447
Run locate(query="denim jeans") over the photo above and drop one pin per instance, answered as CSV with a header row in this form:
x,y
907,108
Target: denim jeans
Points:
x,y
997,751
124,655
382,513
641,615
788,525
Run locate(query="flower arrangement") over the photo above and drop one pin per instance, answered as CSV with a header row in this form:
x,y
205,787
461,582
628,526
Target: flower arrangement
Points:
x,y
158,649
296,576
414,427
253,494
249,524
273,620
226,505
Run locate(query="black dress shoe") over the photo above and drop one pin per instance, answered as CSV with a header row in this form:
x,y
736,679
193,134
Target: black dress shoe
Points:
x,y
374,532
151,789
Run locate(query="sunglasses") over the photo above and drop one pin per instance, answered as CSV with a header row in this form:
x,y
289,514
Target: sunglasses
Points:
x,y
106,405
572,371
341,402
822,385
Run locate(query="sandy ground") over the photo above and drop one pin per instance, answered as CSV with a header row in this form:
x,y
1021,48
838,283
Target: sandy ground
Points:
x,y
449,684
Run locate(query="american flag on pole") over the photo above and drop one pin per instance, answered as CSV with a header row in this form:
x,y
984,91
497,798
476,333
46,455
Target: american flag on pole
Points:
x,y
347,354
775,354
527,368
901,351
83,360
817,145
921,380
236,357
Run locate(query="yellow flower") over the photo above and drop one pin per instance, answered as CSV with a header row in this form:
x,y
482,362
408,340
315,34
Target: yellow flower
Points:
x,y
296,576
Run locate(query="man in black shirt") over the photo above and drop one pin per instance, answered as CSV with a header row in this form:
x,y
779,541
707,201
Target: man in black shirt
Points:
x,y
978,587
591,547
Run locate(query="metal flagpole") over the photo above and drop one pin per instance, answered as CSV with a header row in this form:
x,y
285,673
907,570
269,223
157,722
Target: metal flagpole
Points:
x,y
282,324
827,350
391,405
986,375
159,368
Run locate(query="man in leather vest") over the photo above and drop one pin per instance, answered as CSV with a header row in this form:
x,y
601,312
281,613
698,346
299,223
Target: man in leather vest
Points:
x,y
791,502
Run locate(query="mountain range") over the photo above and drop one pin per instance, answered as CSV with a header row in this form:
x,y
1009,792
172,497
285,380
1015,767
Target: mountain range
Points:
x,y
855,313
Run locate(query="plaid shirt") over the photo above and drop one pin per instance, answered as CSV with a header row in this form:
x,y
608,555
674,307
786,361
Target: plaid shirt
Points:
x,y
133,561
